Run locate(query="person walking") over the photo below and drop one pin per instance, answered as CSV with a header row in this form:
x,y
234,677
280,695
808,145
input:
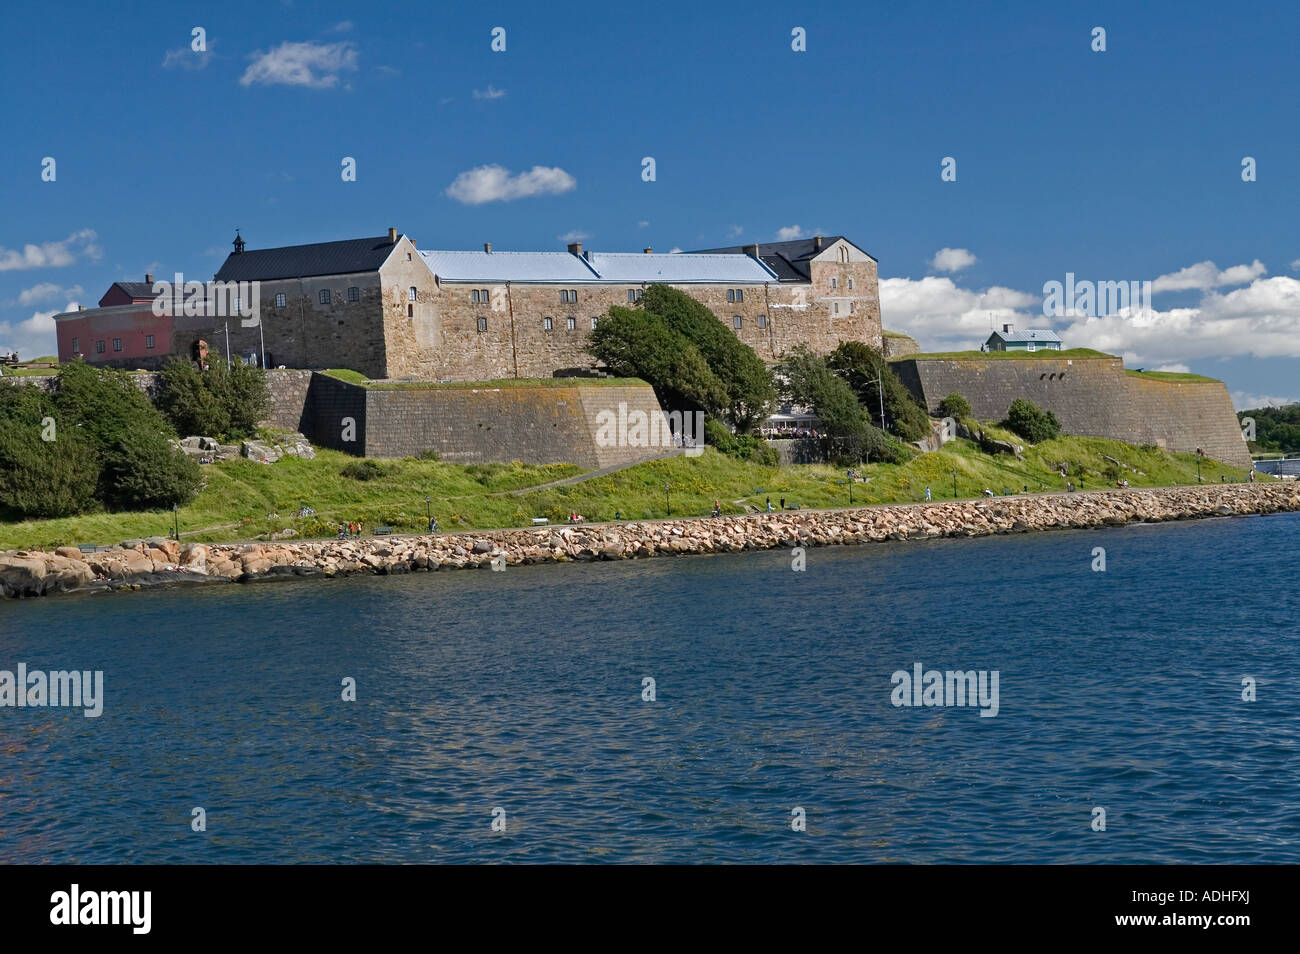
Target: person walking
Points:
x,y
927,494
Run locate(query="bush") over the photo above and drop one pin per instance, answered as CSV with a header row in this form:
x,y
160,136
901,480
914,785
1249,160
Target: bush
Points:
x,y
225,403
364,469
741,447
867,372
144,471
429,455
954,406
1031,422
38,477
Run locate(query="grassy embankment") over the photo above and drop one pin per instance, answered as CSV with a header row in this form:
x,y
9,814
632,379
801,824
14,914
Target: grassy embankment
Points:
x,y
240,494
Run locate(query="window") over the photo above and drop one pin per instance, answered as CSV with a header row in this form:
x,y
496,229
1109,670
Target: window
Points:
x,y
737,321
762,321
569,295
483,295
547,324
479,295
410,311
853,307
354,293
75,349
593,321
572,323
735,294
634,295
117,344
850,284
731,294
482,324
148,341
324,296
473,296
410,294
836,307
99,347
844,254
835,282
280,300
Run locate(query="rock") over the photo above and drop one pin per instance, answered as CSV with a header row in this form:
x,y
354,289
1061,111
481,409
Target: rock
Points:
x,y
72,553
256,450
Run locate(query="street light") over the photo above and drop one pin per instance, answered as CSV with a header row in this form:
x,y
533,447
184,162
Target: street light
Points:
x,y
954,483
176,522
850,483
427,513
1199,454
667,502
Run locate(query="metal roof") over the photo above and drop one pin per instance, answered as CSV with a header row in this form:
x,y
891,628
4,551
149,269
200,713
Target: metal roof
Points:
x,y
789,260
135,289
1029,334
593,267
306,261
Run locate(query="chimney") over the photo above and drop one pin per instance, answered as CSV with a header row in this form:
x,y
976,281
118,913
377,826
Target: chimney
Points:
x,y
817,243
752,250
487,247
575,248
1007,329
81,308
392,236
148,279
412,241
648,251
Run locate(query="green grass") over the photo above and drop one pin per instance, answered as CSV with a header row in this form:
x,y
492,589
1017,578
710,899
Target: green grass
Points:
x,y
346,374
506,383
1170,376
239,494
893,334
1070,353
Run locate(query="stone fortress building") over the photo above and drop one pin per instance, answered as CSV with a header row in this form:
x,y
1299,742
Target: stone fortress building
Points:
x,y
384,308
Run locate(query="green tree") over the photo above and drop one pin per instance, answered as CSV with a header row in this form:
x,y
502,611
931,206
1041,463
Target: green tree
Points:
x,y
637,343
45,470
868,373
748,384
220,402
1032,422
955,406
807,380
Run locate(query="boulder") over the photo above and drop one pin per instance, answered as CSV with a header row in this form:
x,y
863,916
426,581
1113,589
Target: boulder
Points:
x,y
256,450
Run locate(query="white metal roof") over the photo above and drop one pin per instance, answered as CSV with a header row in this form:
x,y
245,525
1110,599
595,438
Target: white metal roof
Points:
x,y
594,267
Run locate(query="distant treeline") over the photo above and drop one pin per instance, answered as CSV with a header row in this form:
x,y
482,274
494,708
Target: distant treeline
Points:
x,y
1276,428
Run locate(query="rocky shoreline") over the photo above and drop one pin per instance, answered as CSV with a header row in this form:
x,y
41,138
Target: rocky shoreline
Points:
x,y
25,573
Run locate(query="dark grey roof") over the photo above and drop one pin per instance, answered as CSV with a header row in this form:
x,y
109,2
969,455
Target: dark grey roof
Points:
x,y
305,261
136,289
788,259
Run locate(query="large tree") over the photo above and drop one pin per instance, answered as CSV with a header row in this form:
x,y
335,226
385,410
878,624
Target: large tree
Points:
x,y
868,372
806,379
636,343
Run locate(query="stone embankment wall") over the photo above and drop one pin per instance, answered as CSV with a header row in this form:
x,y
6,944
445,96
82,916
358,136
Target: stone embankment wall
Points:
x,y
34,573
1089,396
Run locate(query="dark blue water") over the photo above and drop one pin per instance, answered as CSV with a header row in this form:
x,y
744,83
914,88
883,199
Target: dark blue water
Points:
x,y
522,690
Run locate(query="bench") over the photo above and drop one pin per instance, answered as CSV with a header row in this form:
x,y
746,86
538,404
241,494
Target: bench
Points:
x,y
383,531
540,521
87,547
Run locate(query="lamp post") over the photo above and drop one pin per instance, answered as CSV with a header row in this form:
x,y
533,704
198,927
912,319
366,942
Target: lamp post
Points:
x,y
954,483
428,514
176,522
850,483
1199,454
667,503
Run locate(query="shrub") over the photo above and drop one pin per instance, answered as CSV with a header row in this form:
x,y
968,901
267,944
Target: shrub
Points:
x,y
954,406
144,471
740,446
867,372
364,469
1031,422
38,477
220,402
428,455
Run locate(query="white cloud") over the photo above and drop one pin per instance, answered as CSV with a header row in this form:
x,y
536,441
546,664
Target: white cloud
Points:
x,y
1243,401
47,291
643,224
51,254
343,26
943,316
34,336
734,231
1176,367
574,236
490,93
790,233
314,65
1295,266
494,183
952,259
1206,275
185,58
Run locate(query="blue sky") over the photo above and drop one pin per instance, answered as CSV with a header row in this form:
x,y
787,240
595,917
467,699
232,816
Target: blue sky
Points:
x,y
1116,166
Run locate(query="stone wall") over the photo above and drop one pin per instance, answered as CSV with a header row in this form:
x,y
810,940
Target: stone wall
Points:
x,y
896,345
1089,396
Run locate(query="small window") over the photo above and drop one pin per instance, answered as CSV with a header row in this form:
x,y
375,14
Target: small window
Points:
x,y
354,293
850,284
473,295
482,324
483,296
411,294
731,294
117,344
738,321
547,324
572,323
762,321
324,296
410,311
75,349
836,307
148,341
835,283
99,347
853,307
844,254
631,295
740,294
280,300
593,321
564,296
